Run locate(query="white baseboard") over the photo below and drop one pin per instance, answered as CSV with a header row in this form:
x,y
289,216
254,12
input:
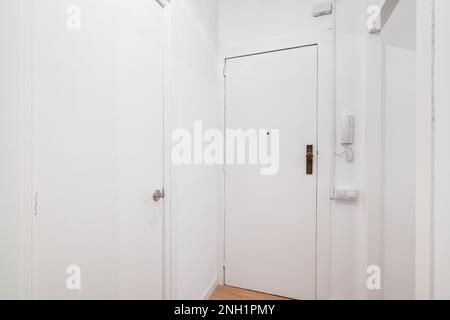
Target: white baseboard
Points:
x,y
210,289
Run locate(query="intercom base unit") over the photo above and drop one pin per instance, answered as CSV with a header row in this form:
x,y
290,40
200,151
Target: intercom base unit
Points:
x,y
344,193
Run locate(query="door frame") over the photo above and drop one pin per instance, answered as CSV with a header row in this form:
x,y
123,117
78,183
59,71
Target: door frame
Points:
x,y
168,283
26,154
326,103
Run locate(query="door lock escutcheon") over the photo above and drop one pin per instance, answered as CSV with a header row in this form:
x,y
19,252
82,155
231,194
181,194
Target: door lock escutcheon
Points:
x,y
309,159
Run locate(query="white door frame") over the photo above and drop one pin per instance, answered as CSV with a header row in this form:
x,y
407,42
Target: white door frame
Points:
x,y
325,41
26,153
168,283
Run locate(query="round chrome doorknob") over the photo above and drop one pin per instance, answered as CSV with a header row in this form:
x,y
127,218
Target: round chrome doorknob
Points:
x,y
158,195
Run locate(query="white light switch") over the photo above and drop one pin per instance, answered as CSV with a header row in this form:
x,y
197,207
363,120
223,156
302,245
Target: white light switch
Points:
x,y
323,9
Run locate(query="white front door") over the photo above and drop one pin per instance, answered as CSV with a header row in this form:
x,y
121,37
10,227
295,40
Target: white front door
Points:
x,y
270,227
98,149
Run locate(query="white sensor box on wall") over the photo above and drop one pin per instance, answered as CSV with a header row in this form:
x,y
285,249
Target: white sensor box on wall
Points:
x,y
323,9
346,193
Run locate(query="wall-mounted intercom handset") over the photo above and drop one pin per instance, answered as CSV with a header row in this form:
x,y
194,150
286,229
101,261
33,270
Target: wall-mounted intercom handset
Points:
x,y
347,127
347,138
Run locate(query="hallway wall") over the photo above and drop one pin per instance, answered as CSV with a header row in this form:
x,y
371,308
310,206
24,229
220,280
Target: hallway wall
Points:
x,y
10,245
349,246
399,152
441,223
242,21
194,195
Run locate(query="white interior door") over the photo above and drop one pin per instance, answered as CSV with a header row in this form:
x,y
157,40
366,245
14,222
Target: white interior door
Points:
x,y
98,148
270,227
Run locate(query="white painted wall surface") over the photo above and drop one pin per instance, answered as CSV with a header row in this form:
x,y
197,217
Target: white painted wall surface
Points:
x,y
242,21
374,153
348,220
9,150
441,223
399,50
399,209
195,97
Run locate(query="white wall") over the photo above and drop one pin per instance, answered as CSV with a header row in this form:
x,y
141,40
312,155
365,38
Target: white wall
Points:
x,y
249,20
374,154
399,126
363,232
348,219
390,152
441,223
242,21
9,150
195,96
399,175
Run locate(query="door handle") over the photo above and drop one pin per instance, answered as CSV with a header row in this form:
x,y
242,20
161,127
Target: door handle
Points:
x,y
158,195
309,159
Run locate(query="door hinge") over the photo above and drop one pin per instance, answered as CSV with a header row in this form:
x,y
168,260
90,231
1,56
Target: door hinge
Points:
x,y
225,72
36,203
